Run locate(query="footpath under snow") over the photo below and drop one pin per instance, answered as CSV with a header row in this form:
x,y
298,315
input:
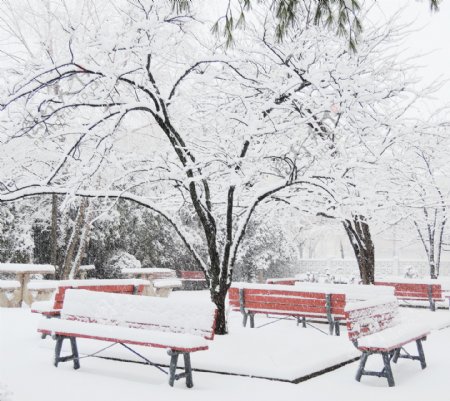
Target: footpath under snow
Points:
x,y
279,350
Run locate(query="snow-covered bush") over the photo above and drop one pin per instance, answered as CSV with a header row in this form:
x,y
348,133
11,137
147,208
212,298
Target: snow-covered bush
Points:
x,y
117,263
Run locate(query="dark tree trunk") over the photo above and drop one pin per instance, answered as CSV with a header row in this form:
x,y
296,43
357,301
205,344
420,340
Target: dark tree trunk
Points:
x,y
54,231
219,300
358,233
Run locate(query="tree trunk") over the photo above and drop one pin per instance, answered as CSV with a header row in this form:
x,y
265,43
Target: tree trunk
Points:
x,y
219,300
80,220
358,233
54,232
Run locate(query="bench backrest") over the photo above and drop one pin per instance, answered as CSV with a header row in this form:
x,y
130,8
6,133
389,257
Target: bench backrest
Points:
x,y
152,313
414,290
369,317
191,274
285,299
114,286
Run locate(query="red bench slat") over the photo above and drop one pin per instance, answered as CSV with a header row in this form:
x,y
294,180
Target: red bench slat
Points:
x,y
287,300
250,306
234,293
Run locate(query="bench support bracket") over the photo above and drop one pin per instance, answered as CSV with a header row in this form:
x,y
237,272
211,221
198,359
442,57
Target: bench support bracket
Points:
x,y
387,357
421,357
386,372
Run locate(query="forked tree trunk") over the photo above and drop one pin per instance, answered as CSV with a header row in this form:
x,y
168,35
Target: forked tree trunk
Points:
x,y
74,240
358,233
219,300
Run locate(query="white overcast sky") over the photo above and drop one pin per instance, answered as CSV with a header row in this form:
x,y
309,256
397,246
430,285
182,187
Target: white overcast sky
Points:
x,y
431,38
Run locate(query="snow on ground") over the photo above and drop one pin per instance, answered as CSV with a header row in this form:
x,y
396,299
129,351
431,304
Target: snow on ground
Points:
x,y
280,349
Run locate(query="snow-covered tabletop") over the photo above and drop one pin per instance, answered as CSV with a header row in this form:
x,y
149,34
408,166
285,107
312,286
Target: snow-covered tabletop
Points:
x,y
24,268
147,270
23,272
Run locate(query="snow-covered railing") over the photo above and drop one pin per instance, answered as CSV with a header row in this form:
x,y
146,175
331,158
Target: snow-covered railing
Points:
x,y
162,280
9,293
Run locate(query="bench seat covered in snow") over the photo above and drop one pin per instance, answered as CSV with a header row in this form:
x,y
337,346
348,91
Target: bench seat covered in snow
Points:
x,y
289,300
181,327
375,328
415,290
122,286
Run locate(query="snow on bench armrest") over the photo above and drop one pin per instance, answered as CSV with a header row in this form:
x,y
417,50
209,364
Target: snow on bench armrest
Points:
x,y
167,283
379,301
9,284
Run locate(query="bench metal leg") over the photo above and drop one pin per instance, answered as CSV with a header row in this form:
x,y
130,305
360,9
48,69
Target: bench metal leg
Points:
x,y
244,319
387,369
188,370
423,363
396,355
173,368
74,357
386,372
58,346
252,320
362,364
337,329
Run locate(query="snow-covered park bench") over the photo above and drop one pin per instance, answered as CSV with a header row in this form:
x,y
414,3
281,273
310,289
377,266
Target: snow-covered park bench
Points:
x,y
53,307
180,326
415,290
288,300
375,328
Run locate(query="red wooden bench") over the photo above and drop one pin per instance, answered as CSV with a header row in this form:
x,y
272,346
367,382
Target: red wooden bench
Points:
x,y
180,327
251,299
375,328
415,291
121,286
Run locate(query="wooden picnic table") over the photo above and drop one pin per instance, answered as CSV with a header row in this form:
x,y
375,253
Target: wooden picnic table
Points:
x,y
23,273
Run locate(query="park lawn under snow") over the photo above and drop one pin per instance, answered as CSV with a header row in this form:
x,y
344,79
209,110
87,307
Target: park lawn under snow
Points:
x,y
278,350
